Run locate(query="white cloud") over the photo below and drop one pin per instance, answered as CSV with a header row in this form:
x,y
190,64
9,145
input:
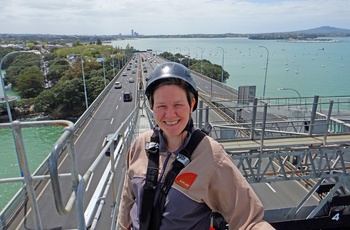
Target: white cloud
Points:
x,y
169,16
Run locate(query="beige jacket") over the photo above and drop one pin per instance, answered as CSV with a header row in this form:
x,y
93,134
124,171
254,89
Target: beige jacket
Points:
x,y
211,182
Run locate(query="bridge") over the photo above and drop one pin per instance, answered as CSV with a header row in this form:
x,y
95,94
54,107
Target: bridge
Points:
x,y
293,151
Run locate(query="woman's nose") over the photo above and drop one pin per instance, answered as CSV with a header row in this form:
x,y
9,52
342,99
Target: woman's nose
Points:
x,y
170,112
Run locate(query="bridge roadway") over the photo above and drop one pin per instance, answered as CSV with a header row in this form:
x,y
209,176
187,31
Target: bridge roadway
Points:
x,y
111,112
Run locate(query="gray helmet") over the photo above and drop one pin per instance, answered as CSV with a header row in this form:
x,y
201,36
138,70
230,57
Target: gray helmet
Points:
x,y
169,70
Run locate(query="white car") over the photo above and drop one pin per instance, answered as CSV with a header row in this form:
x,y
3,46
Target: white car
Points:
x,y
117,85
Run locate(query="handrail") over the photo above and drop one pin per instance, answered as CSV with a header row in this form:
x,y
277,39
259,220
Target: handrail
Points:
x,y
126,129
22,156
65,140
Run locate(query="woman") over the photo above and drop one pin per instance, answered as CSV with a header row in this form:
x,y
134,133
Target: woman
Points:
x,y
209,183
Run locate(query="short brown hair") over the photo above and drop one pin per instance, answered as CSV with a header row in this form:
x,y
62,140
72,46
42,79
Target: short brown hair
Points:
x,y
171,81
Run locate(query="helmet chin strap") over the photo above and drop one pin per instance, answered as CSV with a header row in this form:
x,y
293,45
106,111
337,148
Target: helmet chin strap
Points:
x,y
189,125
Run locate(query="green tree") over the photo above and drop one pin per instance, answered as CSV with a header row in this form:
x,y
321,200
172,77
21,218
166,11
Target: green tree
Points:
x,y
50,56
94,85
211,70
71,100
46,102
57,68
20,62
77,43
29,82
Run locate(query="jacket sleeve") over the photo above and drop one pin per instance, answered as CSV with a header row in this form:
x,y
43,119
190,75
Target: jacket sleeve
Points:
x,y
231,195
126,202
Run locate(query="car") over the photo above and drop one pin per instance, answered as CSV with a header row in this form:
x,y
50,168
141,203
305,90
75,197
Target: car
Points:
x,y
127,96
131,80
117,85
125,74
108,138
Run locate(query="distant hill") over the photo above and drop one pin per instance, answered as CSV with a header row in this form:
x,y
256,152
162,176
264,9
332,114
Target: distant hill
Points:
x,y
324,30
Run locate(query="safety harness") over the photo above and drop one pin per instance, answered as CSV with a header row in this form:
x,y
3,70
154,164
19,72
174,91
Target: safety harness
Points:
x,y
152,210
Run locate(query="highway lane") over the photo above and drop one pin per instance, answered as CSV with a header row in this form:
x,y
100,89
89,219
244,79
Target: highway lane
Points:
x,y
88,144
283,194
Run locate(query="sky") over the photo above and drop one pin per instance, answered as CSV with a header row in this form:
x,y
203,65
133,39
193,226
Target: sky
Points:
x,y
169,17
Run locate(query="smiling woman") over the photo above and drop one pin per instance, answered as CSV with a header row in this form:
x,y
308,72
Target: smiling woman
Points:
x,y
189,170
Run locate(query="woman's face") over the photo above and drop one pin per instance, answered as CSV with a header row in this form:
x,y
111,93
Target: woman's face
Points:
x,y
171,109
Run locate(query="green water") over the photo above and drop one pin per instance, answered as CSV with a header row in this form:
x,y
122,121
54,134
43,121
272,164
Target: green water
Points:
x,y
319,68
38,143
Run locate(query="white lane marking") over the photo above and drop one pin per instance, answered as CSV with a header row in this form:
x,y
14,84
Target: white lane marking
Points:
x,y
268,185
116,107
88,184
112,120
279,117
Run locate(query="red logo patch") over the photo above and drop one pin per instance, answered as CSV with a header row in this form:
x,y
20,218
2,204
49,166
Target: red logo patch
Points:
x,y
185,180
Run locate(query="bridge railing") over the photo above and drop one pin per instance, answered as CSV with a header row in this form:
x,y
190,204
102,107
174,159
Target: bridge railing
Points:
x,y
254,120
8,212
31,181
123,136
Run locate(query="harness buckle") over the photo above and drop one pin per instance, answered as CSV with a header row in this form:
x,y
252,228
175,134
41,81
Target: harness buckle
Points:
x,y
183,159
152,147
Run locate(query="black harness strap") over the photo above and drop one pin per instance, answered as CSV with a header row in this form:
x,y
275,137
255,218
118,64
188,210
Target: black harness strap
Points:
x,y
182,160
151,182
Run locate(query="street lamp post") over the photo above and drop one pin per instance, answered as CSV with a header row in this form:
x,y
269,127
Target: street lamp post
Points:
x,y
267,63
113,65
104,69
201,57
82,69
104,72
3,86
222,65
292,90
47,82
22,160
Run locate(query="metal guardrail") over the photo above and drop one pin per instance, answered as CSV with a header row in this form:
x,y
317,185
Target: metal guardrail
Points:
x,y
28,178
8,212
78,182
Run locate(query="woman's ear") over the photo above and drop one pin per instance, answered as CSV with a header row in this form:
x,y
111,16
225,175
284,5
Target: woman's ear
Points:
x,y
192,104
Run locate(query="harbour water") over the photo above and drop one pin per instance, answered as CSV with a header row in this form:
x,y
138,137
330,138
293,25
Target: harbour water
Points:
x,y
38,143
311,68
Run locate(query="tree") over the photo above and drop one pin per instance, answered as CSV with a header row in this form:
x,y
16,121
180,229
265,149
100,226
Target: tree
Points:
x,y
50,57
77,43
29,83
45,102
211,70
98,42
70,95
95,85
21,62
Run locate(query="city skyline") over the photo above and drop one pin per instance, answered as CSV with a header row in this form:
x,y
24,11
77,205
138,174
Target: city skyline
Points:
x,y
93,17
